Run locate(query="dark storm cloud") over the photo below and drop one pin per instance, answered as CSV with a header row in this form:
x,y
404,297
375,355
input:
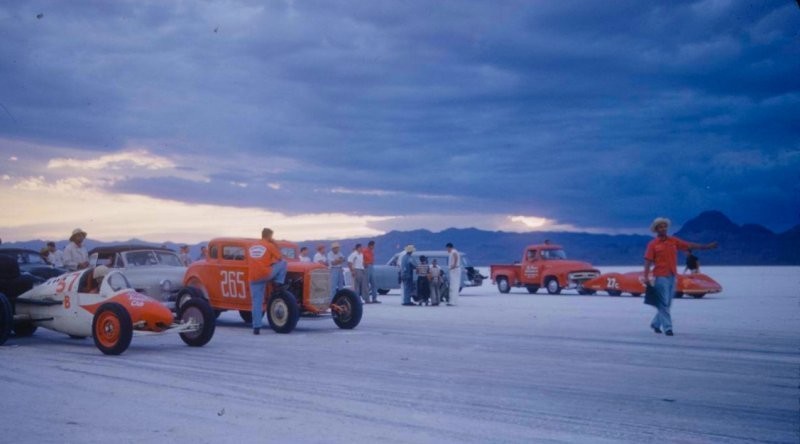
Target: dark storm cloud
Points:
x,y
590,113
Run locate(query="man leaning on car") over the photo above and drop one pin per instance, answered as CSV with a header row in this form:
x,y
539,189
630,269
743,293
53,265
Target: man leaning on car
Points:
x,y
267,265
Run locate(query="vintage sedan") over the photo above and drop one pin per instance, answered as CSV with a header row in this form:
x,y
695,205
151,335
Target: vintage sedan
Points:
x,y
694,285
387,277
154,271
32,262
101,305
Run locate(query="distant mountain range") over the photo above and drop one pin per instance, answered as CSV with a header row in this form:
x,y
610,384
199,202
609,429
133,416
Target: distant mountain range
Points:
x,y
747,244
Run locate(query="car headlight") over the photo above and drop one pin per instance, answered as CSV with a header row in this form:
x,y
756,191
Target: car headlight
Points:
x,y
166,285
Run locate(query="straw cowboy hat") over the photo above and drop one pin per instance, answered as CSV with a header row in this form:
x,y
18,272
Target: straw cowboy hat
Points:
x,y
658,221
410,248
77,232
335,245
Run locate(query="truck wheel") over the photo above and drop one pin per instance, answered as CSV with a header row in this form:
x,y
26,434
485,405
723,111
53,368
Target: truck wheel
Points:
x,y
552,286
24,329
283,312
383,291
112,328
348,309
613,292
502,285
6,318
198,311
532,288
698,295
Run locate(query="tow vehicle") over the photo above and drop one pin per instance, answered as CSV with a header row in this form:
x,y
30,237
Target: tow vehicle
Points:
x,y
544,265
111,314
223,279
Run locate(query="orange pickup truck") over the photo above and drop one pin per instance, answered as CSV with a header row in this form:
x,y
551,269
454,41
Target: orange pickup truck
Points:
x,y
544,265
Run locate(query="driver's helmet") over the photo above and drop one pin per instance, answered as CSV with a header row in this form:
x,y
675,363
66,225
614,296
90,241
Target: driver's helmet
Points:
x,y
100,272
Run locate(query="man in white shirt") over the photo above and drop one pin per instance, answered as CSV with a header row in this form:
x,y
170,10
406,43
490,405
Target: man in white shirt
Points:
x,y
356,263
304,255
454,263
320,257
54,256
75,255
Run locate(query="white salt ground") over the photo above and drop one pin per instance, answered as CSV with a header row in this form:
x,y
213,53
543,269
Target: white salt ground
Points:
x,y
497,368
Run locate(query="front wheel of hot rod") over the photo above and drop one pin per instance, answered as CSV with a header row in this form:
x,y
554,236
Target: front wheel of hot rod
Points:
x,y
283,312
6,318
197,311
346,309
112,328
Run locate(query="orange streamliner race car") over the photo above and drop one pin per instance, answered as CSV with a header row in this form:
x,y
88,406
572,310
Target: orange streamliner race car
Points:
x,y
694,285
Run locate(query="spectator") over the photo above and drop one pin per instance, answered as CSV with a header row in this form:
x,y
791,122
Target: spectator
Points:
x,y
435,278
369,266
54,256
407,266
203,253
183,254
692,263
454,262
75,256
320,257
304,257
335,262
355,261
662,256
266,264
423,281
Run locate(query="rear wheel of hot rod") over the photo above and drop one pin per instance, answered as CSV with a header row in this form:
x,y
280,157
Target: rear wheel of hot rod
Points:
x,y
283,312
197,310
112,328
6,318
346,309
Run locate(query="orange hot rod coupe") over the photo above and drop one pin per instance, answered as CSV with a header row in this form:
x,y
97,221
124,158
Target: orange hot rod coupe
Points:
x,y
694,285
222,279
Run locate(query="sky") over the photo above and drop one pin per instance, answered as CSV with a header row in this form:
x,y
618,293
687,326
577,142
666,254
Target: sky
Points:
x,y
181,121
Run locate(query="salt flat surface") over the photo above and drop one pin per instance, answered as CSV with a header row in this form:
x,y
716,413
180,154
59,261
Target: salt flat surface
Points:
x,y
497,368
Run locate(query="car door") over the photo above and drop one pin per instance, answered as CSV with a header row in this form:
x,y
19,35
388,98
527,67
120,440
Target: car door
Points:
x,y
387,277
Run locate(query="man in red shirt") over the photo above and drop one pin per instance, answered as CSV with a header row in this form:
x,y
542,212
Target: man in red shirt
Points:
x,y
369,265
662,257
266,264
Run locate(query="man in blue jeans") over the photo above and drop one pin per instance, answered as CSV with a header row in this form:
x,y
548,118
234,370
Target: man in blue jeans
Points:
x,y
266,264
662,256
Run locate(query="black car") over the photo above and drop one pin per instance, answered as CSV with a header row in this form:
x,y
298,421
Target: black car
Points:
x,y
30,261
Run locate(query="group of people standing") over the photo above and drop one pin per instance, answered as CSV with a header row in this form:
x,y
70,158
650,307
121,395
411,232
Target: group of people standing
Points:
x,y
73,257
360,262
430,278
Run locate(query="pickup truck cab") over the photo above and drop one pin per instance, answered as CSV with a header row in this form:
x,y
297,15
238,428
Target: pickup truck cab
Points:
x,y
544,265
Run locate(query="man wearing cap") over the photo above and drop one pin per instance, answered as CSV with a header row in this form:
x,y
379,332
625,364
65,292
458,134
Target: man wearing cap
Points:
x,y
266,264
454,263
75,255
335,262
407,266
661,256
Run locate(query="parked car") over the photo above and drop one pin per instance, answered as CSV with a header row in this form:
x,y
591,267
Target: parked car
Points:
x,y
694,285
111,314
544,265
154,271
30,261
222,279
387,277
